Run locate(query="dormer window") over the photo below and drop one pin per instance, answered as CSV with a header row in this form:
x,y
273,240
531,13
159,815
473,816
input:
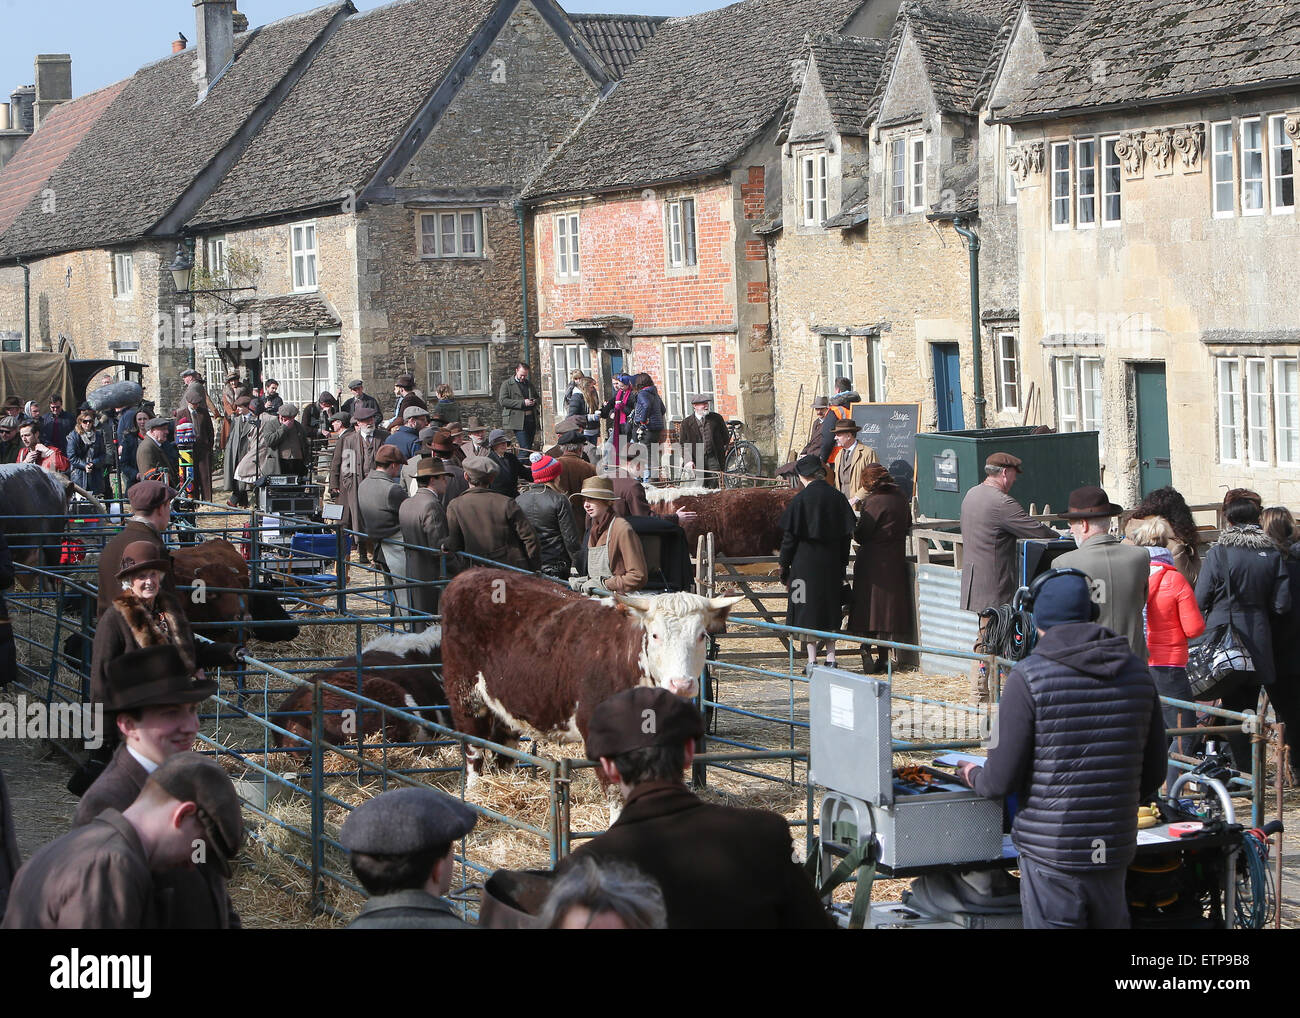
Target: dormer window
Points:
x,y
905,176
917,184
812,190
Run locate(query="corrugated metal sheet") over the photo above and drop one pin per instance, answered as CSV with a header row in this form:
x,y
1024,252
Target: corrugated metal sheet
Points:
x,y
942,622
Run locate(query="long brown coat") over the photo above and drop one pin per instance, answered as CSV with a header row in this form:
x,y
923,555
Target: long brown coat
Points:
x,y
990,524
110,560
129,625
486,523
882,591
424,525
187,899
846,472
95,877
354,458
573,471
627,565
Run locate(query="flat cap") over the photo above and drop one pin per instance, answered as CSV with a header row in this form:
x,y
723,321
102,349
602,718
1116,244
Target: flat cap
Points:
x,y
356,383
158,422
496,436
387,455
361,414
428,434
9,422
641,717
195,393
288,410
414,411
405,821
146,496
479,468
345,418
700,397
189,777
243,400
1004,459
810,466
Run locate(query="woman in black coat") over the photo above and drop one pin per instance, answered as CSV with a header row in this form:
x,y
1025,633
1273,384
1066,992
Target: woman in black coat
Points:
x,y
1279,525
818,525
1245,560
882,590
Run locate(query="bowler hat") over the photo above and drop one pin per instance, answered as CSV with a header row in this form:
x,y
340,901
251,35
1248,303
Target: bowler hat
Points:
x,y
387,455
639,718
146,496
152,676
1090,503
139,556
406,821
479,468
189,777
1002,460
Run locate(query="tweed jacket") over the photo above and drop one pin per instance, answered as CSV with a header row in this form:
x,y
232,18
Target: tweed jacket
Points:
x,y
990,524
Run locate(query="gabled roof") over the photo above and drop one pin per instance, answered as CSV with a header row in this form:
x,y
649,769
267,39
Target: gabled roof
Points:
x,y
955,41
700,92
849,67
349,111
617,38
41,154
1155,51
1052,20
143,153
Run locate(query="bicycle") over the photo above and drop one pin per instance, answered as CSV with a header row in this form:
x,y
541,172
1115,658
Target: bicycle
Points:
x,y
741,460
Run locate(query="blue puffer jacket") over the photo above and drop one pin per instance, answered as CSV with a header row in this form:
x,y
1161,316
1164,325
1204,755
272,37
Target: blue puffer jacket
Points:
x,y
649,409
1080,739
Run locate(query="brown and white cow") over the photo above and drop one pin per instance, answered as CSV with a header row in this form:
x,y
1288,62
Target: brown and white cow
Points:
x,y
745,522
526,656
397,669
220,593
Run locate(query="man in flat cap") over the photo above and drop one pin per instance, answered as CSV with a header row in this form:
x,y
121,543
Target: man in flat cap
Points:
x,y
353,460
10,443
380,497
991,521
359,398
151,507
154,703
407,437
1119,572
157,458
102,876
401,845
407,396
718,866
703,436
287,444
243,436
423,519
486,523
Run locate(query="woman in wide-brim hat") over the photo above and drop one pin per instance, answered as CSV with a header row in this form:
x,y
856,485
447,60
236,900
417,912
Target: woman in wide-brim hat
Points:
x,y
615,558
145,615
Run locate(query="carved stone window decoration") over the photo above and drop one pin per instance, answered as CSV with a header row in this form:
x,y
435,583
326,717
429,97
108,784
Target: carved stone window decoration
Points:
x,y
1189,143
1131,155
1292,127
1025,161
1158,144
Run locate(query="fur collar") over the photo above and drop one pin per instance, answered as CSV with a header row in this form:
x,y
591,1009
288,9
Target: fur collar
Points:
x,y
1249,536
145,630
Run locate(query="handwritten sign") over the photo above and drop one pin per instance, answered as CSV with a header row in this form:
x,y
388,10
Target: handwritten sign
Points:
x,y
890,429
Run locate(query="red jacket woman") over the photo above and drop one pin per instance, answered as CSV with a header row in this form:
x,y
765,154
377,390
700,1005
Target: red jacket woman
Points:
x,y
1173,617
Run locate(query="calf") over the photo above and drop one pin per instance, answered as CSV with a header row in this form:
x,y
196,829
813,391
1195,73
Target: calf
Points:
x,y
745,522
523,655
345,718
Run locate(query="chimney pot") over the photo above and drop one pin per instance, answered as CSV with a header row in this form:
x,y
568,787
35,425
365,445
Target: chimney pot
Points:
x,y
179,43
4,116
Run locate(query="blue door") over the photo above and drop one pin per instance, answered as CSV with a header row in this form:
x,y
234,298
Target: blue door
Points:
x,y
947,386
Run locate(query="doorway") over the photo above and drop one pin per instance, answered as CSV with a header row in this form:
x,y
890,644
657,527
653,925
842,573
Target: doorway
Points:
x,y
947,386
1154,467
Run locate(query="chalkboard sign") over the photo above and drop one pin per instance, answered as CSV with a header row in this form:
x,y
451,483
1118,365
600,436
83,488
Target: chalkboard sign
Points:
x,y
890,429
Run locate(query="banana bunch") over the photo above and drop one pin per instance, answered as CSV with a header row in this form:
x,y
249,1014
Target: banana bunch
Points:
x,y
1148,816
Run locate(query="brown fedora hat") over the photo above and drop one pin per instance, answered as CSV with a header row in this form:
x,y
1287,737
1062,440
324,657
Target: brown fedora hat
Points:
x,y
139,556
152,677
846,426
1090,503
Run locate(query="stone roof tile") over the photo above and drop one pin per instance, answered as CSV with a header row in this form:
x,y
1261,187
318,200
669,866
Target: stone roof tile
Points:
x,y
617,38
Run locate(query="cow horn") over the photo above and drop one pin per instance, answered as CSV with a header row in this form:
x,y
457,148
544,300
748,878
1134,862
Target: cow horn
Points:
x,y
99,506
637,604
725,603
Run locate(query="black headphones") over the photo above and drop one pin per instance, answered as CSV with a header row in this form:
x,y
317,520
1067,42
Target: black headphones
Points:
x,y
1026,596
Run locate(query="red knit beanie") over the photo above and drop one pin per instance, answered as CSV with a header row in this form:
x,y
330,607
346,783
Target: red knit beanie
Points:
x,y
545,468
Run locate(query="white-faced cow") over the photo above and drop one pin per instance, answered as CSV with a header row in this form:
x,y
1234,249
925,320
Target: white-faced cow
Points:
x,y
398,669
511,664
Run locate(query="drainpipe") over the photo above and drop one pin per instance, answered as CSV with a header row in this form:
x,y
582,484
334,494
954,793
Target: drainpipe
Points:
x,y
523,277
976,339
27,306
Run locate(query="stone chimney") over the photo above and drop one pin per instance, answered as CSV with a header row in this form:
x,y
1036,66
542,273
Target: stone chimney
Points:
x,y
215,21
53,84
21,104
179,43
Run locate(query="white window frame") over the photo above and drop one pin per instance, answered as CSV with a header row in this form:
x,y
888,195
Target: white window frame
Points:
x,y
1060,200
813,199
1007,347
1246,152
1222,131
452,364
566,358
568,263
681,238
688,368
457,248
1092,419
1086,183
123,276
1075,398
1286,417
1279,149
916,173
839,359
214,256
1256,384
285,357
1110,162
1067,394
896,177
303,255
1231,432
